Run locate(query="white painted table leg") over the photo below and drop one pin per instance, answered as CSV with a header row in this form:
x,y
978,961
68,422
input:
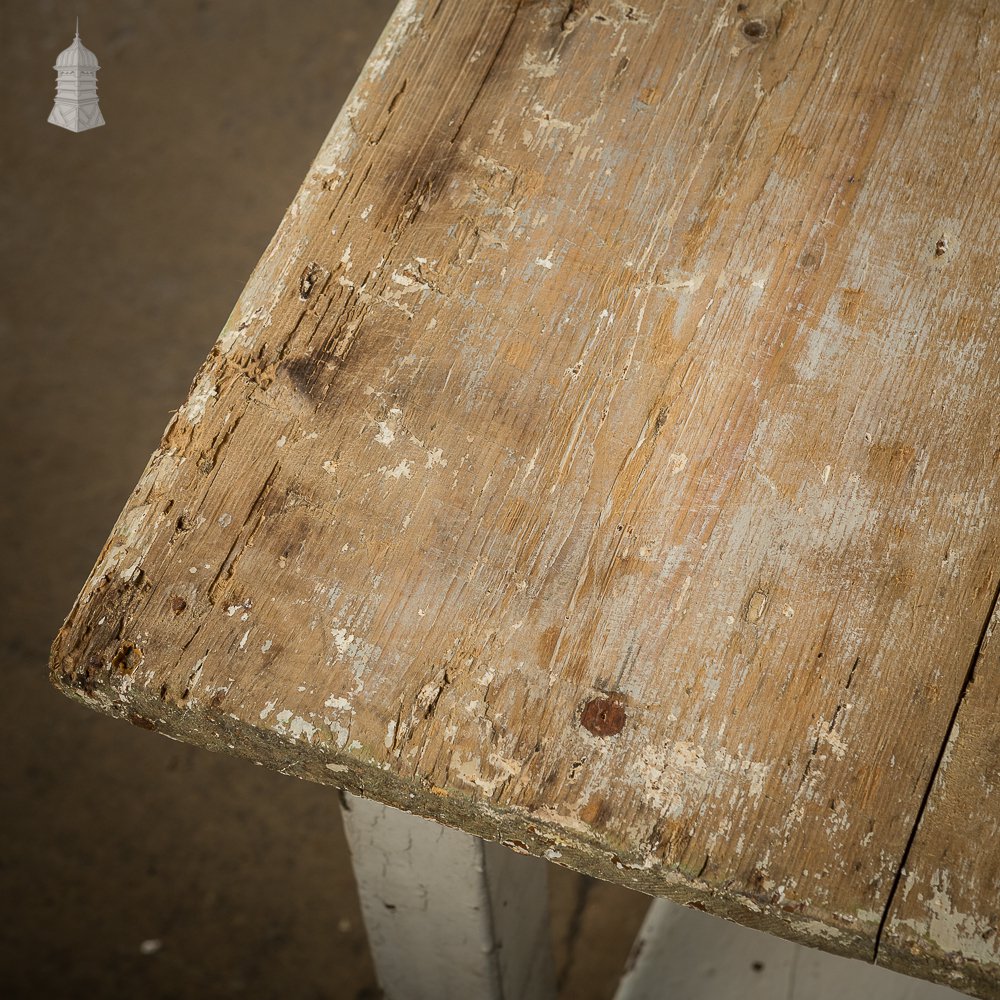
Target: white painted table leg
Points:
x,y
448,915
682,954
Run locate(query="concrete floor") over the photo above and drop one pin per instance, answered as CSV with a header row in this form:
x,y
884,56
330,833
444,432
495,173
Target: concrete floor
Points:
x,y
122,251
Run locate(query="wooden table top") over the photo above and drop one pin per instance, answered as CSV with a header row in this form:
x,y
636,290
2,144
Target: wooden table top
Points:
x,y
603,459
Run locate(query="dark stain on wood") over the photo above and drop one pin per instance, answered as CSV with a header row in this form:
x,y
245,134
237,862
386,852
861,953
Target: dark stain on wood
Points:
x,y
603,717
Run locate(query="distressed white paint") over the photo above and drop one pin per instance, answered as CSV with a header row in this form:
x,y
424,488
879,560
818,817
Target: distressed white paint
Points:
x,y
683,954
448,915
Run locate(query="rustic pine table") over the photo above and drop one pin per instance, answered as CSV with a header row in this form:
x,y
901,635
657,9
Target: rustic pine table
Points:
x,y
602,460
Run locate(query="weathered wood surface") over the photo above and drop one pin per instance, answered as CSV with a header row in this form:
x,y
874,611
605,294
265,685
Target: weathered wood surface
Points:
x,y
603,456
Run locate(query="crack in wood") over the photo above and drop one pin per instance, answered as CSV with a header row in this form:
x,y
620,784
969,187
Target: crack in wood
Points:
x,y
969,678
225,571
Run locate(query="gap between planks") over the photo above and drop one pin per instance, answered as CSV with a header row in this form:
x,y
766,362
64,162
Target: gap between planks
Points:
x,y
932,780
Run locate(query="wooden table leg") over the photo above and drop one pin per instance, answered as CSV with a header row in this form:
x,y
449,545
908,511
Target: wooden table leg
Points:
x,y
681,952
448,915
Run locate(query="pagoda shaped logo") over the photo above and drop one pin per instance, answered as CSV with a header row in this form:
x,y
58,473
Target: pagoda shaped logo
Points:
x,y
76,106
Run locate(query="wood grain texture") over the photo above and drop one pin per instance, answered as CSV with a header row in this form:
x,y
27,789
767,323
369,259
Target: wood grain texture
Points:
x,y
602,457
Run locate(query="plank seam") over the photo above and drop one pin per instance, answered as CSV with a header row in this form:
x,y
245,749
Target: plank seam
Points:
x,y
970,675
573,935
491,923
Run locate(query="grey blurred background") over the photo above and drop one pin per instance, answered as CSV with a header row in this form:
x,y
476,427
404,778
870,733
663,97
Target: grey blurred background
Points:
x,y
130,865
